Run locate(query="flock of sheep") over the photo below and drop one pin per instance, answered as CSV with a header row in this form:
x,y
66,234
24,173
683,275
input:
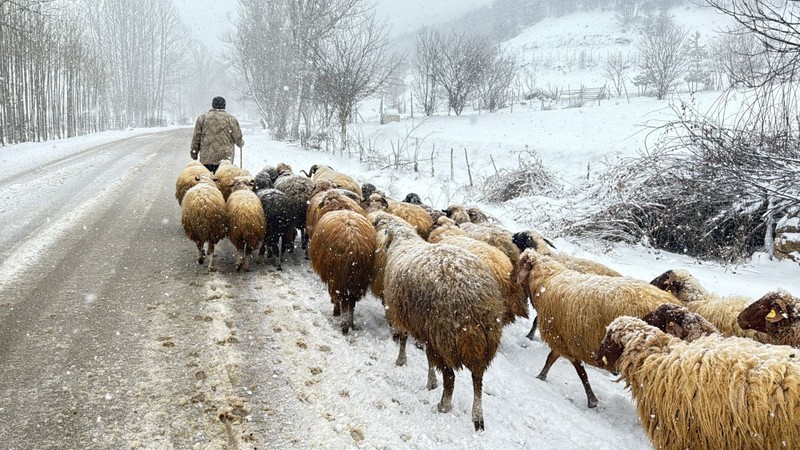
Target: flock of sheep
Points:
x,y
705,371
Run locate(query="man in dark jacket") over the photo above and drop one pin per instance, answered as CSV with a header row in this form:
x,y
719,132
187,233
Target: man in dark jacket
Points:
x,y
215,133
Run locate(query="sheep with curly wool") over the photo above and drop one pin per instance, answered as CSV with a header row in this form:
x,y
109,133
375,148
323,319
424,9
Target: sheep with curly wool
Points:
x,y
320,172
379,265
678,321
723,312
575,308
280,229
225,174
342,251
715,392
445,297
777,315
415,215
298,188
187,179
493,235
204,218
246,221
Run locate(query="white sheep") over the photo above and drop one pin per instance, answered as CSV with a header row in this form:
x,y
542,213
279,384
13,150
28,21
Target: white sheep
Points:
x,y
575,308
712,393
204,218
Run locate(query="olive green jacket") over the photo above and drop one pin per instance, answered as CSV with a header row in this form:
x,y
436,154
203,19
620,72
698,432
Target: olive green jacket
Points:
x,y
215,132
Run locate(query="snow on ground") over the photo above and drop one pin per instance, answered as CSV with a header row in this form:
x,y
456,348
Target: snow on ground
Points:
x,y
352,384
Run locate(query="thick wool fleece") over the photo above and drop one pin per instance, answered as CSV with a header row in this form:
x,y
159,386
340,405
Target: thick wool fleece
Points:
x,y
714,392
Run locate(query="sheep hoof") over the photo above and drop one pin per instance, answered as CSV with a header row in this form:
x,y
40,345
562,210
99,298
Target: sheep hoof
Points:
x,y
530,335
444,408
592,403
479,426
345,329
201,260
400,362
432,385
542,377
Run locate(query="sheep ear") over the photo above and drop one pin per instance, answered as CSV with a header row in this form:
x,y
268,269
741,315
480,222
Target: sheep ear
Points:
x,y
525,267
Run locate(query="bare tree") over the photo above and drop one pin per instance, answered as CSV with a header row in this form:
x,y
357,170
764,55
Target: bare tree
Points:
x,y
616,70
496,75
459,73
661,54
776,26
353,64
424,65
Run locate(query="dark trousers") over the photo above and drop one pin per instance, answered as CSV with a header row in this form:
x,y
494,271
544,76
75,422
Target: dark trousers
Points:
x,y
212,167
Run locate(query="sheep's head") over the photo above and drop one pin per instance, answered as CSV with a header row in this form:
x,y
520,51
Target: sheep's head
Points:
x,y
621,333
527,261
375,202
443,221
242,182
458,213
476,215
368,189
282,167
532,239
413,198
672,281
680,322
771,313
322,186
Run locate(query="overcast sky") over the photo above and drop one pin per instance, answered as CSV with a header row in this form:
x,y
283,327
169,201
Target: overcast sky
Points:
x,y
209,19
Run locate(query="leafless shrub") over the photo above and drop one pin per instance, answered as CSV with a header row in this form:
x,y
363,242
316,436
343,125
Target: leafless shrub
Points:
x,y
530,177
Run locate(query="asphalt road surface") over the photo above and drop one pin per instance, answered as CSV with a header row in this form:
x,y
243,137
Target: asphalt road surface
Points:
x,y
111,336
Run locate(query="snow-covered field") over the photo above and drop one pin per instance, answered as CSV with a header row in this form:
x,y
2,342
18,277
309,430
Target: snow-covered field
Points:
x,y
351,383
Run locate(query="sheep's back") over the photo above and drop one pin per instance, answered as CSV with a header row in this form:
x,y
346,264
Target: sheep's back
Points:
x,y
246,220
494,236
723,312
584,265
444,296
298,188
574,309
717,392
277,211
187,179
225,174
203,214
415,215
342,252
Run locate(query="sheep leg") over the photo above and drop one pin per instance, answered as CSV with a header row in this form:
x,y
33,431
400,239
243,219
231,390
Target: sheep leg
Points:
x,y
477,400
533,328
201,254
586,386
211,266
401,339
239,260
551,358
279,252
248,255
432,382
449,381
348,306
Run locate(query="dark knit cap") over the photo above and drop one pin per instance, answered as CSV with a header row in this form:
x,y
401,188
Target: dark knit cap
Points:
x,y
218,103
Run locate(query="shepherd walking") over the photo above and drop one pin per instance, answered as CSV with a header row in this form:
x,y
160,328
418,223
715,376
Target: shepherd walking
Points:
x,y
215,134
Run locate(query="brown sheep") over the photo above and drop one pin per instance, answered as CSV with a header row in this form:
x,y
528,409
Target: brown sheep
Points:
x,y
458,213
342,251
575,309
678,321
776,314
445,297
414,199
188,179
533,239
326,198
225,174
203,217
319,172
415,215
723,312
444,226
246,221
